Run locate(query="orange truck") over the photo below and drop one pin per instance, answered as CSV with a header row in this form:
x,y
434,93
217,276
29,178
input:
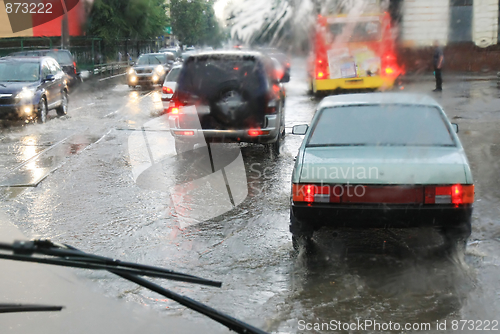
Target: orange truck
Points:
x,y
353,52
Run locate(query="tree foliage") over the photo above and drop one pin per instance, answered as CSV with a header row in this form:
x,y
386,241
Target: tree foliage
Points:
x,y
134,19
194,22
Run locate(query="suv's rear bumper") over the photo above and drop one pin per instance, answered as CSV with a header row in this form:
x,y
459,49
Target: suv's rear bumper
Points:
x,y
269,132
311,217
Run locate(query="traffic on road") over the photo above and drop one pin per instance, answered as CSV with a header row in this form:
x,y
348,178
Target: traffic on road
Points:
x,y
247,187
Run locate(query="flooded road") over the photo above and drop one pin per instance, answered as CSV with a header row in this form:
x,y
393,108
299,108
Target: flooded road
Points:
x,y
106,179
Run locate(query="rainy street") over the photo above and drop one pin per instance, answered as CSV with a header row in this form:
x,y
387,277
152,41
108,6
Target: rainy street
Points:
x,y
106,179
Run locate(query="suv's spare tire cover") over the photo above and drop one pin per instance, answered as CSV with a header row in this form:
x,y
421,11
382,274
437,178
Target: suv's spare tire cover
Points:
x,y
232,104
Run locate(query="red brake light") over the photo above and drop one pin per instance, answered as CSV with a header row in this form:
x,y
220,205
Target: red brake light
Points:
x,y
257,132
167,90
455,194
174,110
74,66
389,70
184,133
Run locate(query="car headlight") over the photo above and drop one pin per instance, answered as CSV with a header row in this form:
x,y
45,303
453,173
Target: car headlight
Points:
x,y
159,69
131,71
25,94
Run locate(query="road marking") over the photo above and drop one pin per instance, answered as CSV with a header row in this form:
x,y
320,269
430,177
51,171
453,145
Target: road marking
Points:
x,y
111,77
119,109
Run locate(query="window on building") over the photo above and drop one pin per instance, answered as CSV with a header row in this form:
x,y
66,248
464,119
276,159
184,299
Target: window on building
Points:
x,y
460,21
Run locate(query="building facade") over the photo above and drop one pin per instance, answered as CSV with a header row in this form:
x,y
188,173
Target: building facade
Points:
x,y
449,21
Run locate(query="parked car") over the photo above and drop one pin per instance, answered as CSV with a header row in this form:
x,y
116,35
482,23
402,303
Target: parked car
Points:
x,y
150,69
63,57
31,86
170,85
228,96
381,160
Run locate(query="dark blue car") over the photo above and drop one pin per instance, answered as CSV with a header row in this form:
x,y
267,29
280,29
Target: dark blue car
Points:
x,y
31,86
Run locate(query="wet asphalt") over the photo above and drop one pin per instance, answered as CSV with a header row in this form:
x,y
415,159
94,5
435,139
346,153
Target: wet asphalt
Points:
x,y
106,179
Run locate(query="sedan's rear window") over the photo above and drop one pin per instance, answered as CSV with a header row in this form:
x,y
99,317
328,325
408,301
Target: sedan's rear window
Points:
x,y
373,125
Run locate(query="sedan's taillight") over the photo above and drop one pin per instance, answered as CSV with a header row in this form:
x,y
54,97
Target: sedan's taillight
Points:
x,y
314,193
450,194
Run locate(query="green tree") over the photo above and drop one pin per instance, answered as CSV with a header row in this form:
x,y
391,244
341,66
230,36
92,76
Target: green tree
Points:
x,y
194,22
135,19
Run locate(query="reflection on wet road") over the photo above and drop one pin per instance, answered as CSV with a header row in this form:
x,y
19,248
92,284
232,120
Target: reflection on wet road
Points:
x,y
111,180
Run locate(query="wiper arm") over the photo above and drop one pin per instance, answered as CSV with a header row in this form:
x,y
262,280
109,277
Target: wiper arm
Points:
x,y
69,256
15,308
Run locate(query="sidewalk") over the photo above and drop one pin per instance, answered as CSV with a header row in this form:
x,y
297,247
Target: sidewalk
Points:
x,y
450,76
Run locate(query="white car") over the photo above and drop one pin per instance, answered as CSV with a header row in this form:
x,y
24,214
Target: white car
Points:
x,y
381,160
170,85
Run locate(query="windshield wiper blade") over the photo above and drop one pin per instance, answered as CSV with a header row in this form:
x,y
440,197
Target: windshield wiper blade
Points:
x,y
72,257
67,256
16,308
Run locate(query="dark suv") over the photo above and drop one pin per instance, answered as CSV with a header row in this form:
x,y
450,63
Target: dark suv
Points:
x,y
63,57
228,96
31,86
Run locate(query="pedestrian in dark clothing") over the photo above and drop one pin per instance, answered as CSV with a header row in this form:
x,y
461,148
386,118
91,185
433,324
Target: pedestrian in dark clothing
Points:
x,y
438,64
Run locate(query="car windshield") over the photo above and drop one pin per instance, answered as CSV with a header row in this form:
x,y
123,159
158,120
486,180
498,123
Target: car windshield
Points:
x,y
380,125
63,58
19,71
152,59
173,75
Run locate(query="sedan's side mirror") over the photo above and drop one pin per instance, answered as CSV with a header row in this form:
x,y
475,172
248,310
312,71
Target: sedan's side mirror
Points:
x,y
300,129
50,77
285,78
455,127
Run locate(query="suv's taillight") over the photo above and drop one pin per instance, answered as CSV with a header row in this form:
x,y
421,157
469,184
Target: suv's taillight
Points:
x,y
167,90
174,107
272,107
74,66
454,194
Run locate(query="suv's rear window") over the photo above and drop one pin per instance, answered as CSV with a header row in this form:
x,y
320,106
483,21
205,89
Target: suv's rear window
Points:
x,y
398,125
205,76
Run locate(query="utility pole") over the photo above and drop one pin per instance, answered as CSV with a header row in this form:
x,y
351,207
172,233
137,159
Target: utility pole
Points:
x,y
64,27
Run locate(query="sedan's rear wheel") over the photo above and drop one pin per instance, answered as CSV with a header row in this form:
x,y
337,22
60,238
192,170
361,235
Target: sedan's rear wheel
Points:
x,y
42,111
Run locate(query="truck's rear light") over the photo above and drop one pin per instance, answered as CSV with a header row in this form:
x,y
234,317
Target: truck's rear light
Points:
x,y
454,194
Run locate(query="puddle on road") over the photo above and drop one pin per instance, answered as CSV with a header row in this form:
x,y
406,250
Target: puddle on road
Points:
x,y
38,160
